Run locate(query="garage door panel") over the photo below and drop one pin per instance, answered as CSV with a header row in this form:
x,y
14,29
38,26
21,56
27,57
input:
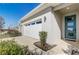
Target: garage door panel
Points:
x,y
33,30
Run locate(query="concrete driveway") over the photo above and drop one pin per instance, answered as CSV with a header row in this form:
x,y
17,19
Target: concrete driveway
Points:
x,y
26,41
61,48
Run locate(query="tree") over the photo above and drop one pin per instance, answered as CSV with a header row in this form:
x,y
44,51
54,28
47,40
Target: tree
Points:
x,y
1,22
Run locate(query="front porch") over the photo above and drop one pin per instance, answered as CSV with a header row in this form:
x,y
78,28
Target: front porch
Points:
x,y
67,19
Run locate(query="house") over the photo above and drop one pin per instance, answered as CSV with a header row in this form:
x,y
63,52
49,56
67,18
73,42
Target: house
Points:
x,y
2,30
59,20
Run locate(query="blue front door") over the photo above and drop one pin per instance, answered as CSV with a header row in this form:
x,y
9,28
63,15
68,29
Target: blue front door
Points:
x,y
70,27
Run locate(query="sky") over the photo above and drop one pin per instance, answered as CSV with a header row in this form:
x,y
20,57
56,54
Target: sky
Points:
x,y
13,12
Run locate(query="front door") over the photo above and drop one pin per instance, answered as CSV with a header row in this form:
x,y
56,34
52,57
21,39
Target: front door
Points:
x,y
70,27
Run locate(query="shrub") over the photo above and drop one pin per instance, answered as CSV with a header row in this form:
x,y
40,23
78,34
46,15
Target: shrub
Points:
x,y
11,48
14,33
43,36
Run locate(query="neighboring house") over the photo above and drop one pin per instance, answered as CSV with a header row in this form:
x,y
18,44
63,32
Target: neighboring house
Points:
x,y
61,21
2,30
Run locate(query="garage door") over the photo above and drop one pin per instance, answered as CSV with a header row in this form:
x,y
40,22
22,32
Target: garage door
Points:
x,y
33,28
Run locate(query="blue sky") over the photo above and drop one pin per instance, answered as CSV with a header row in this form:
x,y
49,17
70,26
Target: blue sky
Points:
x,y
13,12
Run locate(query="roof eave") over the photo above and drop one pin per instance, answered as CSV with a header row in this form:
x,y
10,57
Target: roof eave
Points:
x,y
36,9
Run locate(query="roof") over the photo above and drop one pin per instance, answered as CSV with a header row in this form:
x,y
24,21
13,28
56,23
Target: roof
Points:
x,y
38,9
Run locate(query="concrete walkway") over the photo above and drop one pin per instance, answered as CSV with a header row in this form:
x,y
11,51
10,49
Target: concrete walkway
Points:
x,y
28,41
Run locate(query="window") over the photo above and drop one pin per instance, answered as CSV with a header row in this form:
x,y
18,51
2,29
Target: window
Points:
x,y
38,22
28,24
32,23
70,23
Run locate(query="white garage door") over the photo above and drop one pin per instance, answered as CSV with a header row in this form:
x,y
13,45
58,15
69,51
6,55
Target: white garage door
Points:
x,y
32,29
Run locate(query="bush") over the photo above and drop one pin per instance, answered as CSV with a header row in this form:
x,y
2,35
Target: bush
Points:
x,y
12,48
43,37
14,33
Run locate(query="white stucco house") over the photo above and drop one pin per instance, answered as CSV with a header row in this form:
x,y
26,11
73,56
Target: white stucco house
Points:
x,y
59,20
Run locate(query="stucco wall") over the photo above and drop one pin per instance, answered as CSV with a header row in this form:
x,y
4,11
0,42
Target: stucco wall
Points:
x,y
33,31
53,27
77,25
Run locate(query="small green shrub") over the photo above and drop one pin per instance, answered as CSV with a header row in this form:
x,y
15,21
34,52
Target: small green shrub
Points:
x,y
43,37
13,33
12,48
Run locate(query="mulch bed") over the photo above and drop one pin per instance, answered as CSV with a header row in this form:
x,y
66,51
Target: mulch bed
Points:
x,y
47,46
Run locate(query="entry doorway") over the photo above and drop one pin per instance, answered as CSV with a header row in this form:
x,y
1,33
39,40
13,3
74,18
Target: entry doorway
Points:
x,y
70,27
